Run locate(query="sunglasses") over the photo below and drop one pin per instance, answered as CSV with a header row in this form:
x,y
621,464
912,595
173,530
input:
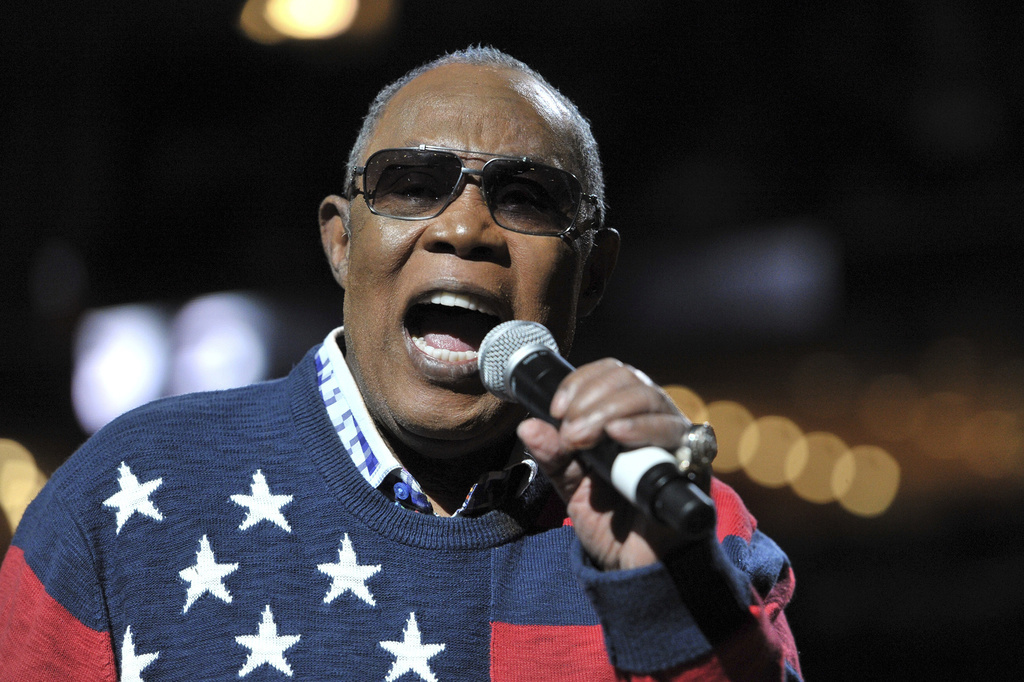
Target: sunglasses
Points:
x,y
418,183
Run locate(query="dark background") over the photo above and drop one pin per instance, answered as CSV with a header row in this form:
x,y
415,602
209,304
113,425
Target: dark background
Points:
x,y
151,152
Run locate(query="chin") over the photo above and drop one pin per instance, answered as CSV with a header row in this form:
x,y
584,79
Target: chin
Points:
x,y
439,437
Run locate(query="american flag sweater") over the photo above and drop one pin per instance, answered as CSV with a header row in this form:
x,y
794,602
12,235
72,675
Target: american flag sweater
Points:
x,y
225,536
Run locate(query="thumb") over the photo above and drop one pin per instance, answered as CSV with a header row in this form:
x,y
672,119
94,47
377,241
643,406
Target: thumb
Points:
x,y
542,440
544,443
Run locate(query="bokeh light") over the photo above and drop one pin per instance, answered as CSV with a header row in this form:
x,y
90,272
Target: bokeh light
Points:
x,y
273,21
126,356
220,341
810,464
865,480
20,480
121,362
764,446
730,420
770,281
688,402
311,19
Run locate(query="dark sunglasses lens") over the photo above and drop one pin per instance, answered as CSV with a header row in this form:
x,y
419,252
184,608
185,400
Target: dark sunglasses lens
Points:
x,y
410,183
532,198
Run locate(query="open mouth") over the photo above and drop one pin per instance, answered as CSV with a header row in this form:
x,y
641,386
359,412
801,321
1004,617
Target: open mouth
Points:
x,y
450,327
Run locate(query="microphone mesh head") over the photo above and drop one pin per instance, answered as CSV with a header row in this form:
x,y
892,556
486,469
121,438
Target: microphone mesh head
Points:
x,y
499,345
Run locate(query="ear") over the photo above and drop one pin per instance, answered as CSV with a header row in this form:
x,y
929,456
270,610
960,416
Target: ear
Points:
x,y
597,270
334,235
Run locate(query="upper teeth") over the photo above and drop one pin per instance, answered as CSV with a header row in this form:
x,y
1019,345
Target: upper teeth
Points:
x,y
462,301
454,301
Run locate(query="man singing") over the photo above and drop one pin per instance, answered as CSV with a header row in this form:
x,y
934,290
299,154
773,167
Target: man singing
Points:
x,y
378,514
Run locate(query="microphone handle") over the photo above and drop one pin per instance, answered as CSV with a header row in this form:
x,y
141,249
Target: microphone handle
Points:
x,y
648,477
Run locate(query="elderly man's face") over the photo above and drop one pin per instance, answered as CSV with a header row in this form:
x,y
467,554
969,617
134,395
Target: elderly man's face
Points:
x,y
415,288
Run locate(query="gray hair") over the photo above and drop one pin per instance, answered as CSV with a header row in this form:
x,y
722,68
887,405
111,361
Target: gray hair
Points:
x,y
582,143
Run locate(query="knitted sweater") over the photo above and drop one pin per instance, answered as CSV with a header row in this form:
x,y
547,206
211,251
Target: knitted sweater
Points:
x,y
224,535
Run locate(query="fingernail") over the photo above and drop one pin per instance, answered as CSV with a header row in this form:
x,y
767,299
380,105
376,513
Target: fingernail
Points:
x,y
557,407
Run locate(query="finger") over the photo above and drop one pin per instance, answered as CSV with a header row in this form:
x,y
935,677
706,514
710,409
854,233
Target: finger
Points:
x,y
662,430
544,445
588,389
606,399
591,390
577,381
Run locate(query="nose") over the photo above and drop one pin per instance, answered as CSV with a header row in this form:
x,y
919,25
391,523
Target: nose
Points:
x,y
466,229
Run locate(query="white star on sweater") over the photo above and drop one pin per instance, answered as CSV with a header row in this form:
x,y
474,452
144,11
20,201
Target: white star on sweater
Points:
x,y
206,576
411,655
266,646
133,497
262,505
348,576
132,665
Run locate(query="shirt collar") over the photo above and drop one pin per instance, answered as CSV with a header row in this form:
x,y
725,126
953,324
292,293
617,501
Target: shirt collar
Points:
x,y
375,461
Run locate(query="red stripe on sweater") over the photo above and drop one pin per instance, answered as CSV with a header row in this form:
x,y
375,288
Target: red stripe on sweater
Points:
x,y
751,654
39,638
733,516
576,653
527,653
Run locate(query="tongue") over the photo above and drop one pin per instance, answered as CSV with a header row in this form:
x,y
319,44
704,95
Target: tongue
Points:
x,y
448,342
453,329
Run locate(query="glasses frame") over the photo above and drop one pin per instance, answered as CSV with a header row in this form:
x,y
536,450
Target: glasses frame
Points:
x,y
359,171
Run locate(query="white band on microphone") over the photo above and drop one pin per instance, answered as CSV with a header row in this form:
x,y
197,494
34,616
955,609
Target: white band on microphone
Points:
x,y
629,467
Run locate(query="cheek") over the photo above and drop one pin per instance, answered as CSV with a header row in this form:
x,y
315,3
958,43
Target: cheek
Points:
x,y
548,281
377,254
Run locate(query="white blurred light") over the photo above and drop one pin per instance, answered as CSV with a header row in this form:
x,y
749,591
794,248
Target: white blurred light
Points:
x,y
120,362
126,356
311,19
219,342
775,281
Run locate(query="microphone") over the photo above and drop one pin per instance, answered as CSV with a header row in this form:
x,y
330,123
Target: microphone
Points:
x,y
519,362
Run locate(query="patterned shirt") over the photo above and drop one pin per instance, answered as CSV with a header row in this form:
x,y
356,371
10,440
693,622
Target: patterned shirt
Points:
x,y
374,459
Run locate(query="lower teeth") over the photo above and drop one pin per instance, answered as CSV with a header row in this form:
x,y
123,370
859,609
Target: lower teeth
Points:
x,y
443,354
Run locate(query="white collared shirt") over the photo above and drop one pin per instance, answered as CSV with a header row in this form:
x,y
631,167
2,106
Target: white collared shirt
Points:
x,y
374,459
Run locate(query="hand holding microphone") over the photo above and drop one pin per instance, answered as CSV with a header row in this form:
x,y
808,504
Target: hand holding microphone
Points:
x,y
519,362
